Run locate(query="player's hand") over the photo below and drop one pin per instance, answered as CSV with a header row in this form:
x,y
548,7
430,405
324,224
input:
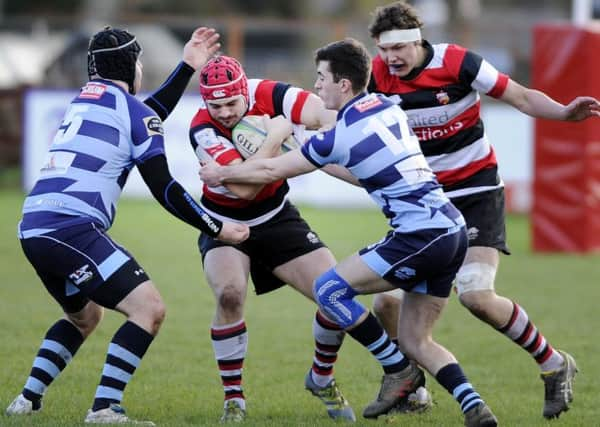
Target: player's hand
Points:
x,y
279,127
210,173
201,46
582,108
233,233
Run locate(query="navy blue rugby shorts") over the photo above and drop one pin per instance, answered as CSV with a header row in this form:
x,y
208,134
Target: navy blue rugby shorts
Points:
x,y
83,263
424,261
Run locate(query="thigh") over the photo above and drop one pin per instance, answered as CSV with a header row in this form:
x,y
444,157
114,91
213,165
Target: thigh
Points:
x,y
262,276
302,271
226,266
396,293
138,299
482,254
485,218
361,276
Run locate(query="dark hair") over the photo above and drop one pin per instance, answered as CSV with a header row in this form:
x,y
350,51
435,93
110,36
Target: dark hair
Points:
x,y
395,16
348,59
112,54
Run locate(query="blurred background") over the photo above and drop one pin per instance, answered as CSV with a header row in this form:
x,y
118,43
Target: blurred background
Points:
x,y
43,63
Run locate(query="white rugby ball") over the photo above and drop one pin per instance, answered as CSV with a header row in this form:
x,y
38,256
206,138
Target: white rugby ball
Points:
x,y
249,134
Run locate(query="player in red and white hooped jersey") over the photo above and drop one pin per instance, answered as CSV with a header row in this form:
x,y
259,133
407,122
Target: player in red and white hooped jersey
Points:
x,y
281,248
211,139
443,107
438,86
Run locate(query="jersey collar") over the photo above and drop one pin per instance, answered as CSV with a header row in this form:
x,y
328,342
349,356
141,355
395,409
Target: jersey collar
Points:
x,y
350,103
428,57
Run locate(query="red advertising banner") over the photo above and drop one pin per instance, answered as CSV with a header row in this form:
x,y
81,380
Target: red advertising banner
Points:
x,y
566,184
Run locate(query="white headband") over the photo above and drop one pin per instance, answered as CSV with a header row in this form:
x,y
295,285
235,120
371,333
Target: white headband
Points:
x,y
400,36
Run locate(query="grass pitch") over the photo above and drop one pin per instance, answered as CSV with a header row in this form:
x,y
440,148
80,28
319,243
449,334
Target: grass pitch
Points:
x,y
178,383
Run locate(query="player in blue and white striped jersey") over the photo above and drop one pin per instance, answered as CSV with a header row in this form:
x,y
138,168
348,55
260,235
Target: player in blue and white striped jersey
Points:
x,y
420,254
105,133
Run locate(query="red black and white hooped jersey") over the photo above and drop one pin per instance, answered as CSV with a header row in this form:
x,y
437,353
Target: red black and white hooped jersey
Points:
x,y
212,141
442,102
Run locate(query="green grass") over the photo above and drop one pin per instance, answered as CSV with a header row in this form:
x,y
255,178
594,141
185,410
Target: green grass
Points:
x,y
178,384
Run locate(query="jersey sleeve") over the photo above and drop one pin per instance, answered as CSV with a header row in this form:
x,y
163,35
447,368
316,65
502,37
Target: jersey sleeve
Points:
x,y
166,97
319,149
210,145
147,136
174,198
277,98
477,72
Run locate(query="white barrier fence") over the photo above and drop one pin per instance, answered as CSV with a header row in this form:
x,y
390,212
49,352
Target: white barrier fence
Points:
x,y
511,134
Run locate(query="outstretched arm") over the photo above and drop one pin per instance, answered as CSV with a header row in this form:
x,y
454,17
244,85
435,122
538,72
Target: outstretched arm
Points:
x,y
341,173
278,129
201,46
173,197
537,104
258,171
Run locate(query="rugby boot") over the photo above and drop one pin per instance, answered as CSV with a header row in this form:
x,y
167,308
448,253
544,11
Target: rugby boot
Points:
x,y
395,387
480,416
232,413
415,403
337,406
22,406
114,414
558,387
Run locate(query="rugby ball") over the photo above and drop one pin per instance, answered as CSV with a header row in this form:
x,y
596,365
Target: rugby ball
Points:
x,y
249,134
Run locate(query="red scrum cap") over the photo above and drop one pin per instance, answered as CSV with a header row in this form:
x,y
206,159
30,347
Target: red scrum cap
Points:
x,y
223,77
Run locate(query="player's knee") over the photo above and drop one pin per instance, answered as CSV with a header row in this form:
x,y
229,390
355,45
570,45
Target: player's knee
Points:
x,y
230,298
155,313
385,305
95,316
335,298
475,276
149,317
87,319
475,285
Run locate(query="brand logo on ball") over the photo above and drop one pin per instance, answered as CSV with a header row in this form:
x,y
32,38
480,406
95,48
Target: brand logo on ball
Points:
x,y
244,142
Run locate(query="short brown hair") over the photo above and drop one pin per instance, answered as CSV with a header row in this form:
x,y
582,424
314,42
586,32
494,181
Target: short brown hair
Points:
x,y
348,59
395,16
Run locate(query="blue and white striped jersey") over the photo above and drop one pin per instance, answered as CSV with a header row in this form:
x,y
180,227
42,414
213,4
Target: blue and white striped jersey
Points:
x,y
104,134
373,140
